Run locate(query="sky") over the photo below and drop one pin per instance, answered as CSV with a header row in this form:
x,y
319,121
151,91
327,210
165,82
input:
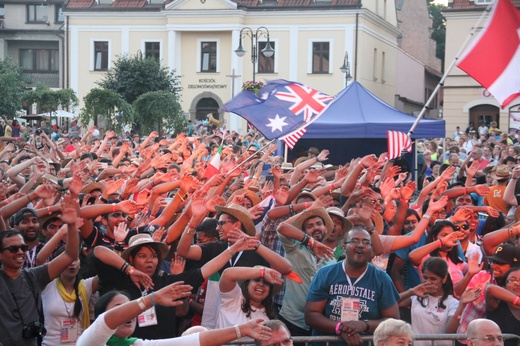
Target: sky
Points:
x,y
443,2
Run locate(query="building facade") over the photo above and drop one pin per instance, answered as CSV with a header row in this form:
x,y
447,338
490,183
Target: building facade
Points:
x,y
465,100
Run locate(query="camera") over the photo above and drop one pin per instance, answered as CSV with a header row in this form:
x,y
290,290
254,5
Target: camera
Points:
x,y
38,131
34,330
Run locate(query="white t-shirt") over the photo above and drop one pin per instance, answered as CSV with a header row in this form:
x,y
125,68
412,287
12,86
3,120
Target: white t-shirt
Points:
x,y
56,311
432,319
230,312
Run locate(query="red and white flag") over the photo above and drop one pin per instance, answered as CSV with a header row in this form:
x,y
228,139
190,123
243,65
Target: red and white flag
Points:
x,y
493,59
213,167
397,142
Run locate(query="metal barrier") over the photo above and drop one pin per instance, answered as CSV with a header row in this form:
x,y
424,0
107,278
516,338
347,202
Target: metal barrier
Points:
x,y
328,339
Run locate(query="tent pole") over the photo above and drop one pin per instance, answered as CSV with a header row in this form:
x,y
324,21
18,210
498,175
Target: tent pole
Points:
x,y
448,70
285,152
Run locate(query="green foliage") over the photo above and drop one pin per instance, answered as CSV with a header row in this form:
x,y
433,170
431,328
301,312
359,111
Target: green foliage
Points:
x,y
49,100
106,104
439,29
159,109
134,75
12,88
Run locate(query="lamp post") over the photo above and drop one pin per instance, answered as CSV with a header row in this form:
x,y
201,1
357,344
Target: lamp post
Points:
x,y
345,68
268,51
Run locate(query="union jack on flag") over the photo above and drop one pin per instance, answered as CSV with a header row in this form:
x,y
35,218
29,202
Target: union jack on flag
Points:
x,y
283,110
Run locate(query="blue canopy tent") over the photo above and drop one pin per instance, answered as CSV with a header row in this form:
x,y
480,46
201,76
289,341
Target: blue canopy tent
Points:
x,y
355,124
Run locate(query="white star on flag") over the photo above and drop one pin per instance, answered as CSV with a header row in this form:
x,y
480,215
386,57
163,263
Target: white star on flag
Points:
x,y
277,123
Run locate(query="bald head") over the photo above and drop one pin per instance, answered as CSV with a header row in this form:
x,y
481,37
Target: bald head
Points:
x,y
481,331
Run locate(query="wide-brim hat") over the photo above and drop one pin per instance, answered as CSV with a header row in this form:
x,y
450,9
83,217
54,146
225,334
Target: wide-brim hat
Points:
x,y
489,168
251,195
347,225
314,150
501,173
287,166
303,194
92,187
60,141
144,239
319,212
241,214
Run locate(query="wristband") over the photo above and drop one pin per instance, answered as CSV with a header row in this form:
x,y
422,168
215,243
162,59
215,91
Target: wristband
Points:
x,y
362,165
262,272
131,270
49,211
516,300
258,245
367,328
141,304
291,209
465,190
33,180
440,242
113,207
231,252
151,183
338,332
311,242
426,216
125,265
456,316
331,188
305,240
306,205
237,330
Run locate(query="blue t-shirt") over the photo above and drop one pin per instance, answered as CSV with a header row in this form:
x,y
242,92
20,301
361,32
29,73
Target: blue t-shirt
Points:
x,y
375,291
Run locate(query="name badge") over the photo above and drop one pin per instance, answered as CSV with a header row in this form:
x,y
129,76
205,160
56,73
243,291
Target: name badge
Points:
x,y
69,331
147,318
349,309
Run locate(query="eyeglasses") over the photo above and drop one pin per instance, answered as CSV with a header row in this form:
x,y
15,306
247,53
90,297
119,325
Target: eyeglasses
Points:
x,y
513,281
490,339
15,248
223,222
118,214
373,200
440,214
356,242
464,227
285,342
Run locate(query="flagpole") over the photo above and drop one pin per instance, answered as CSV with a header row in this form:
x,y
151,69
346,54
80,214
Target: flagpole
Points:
x,y
448,70
250,157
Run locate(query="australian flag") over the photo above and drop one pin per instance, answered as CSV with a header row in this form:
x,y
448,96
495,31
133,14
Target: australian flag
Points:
x,y
282,110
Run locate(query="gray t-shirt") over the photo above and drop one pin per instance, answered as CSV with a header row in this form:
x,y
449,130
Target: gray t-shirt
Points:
x,y
18,303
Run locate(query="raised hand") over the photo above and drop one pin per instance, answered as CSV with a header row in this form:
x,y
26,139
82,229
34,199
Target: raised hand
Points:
x,y
472,169
255,212
482,190
158,234
422,289
282,195
473,264
273,277
121,232
386,186
141,280
452,238
436,205
323,155
214,201
112,187
322,251
447,175
45,191
323,201
169,295
408,190
470,294
129,207
256,330
69,209
178,264
462,215
492,212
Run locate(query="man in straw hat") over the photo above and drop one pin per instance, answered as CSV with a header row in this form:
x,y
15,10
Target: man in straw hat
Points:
x,y
351,297
301,237
495,198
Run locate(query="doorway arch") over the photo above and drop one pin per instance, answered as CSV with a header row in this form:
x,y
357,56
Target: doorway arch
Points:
x,y
204,104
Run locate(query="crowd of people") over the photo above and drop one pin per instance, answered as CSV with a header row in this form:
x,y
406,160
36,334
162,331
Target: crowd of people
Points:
x,y
209,236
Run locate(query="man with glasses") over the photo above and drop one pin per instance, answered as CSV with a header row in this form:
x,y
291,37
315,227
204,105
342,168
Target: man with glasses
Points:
x,y
20,289
352,297
484,332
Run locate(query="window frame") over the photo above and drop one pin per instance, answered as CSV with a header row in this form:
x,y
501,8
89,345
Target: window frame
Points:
x,y
34,59
143,47
57,9
310,66
35,6
199,54
93,42
274,44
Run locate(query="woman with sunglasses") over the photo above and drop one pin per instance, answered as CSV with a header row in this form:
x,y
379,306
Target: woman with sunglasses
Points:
x,y
252,299
116,317
442,242
139,271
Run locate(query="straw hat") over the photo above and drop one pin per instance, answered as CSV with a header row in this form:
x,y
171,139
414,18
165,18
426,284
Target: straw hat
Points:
x,y
347,225
304,194
92,187
142,239
241,214
320,212
501,173
379,225
287,166
251,195
60,141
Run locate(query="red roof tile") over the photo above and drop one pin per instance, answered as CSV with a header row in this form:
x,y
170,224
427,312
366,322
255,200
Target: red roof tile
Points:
x,y
80,3
128,3
470,5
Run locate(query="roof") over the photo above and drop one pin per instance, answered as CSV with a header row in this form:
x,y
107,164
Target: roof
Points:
x,y
262,4
461,5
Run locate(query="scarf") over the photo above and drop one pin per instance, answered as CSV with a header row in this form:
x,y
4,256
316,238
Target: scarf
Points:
x,y
117,341
71,297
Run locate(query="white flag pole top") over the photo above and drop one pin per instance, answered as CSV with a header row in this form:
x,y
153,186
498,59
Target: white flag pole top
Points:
x,y
450,67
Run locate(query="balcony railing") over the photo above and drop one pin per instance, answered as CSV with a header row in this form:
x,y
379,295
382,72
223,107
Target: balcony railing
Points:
x,y
50,79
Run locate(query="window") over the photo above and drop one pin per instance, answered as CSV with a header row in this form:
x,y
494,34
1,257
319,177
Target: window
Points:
x,y
2,11
320,57
100,56
208,61
265,65
58,14
37,14
39,60
152,50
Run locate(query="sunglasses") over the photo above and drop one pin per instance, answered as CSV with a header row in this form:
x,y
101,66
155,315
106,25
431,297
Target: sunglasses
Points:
x,y
15,248
118,214
373,200
463,226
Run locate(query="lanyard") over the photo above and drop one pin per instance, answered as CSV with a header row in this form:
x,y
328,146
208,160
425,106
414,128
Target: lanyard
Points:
x,y
357,280
31,256
236,260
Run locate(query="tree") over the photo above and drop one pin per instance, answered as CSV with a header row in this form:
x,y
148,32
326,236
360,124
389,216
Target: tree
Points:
x,y
110,106
157,109
439,29
50,100
12,88
134,75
